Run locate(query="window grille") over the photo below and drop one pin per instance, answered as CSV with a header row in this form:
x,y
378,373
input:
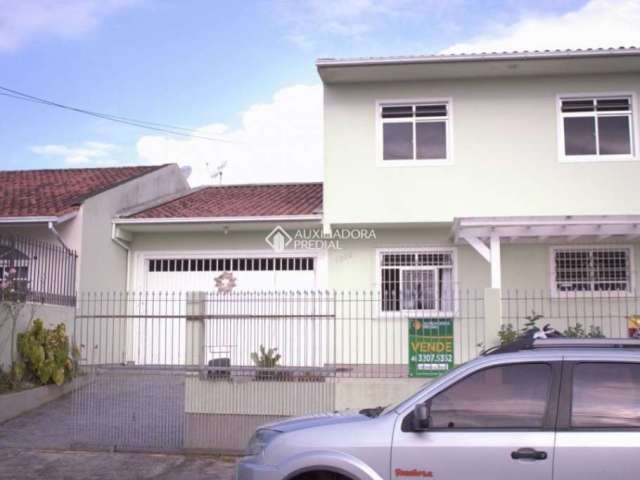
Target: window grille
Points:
x,y
230,264
417,281
592,270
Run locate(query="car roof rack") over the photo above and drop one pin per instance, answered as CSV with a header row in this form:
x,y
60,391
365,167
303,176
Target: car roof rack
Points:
x,y
563,342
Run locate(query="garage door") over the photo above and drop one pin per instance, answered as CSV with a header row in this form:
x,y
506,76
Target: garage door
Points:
x,y
250,273
162,333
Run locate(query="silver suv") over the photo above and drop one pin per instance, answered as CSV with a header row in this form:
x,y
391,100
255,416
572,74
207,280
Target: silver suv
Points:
x,y
558,409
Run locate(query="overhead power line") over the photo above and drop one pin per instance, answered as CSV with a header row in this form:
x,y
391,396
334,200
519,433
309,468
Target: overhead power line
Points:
x,y
158,127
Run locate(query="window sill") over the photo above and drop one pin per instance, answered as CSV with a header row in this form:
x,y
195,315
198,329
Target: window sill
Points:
x,y
597,158
591,295
414,163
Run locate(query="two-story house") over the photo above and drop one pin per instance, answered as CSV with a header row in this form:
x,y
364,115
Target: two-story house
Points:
x,y
507,170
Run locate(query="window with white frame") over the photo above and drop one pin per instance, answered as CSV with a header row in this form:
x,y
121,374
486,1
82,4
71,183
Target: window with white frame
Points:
x,y
417,280
592,269
597,127
415,131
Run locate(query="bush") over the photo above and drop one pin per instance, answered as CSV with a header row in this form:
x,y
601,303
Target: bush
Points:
x,y
579,332
507,334
46,354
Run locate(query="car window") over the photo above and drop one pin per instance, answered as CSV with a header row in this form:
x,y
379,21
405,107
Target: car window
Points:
x,y
507,396
606,395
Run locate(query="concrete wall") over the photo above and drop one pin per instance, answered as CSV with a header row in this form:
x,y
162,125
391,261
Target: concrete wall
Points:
x,y
505,154
51,315
103,263
524,266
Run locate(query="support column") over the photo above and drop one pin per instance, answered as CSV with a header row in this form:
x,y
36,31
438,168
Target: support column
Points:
x,y
492,316
196,310
496,264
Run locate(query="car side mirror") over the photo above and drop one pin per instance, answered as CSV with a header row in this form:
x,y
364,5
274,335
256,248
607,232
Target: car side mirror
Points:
x,y
421,417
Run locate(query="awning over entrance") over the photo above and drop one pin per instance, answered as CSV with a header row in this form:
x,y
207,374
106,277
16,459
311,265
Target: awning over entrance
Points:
x,y
485,234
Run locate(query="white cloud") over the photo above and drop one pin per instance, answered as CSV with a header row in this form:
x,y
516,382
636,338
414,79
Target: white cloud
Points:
x,y
23,20
311,22
278,141
599,23
88,153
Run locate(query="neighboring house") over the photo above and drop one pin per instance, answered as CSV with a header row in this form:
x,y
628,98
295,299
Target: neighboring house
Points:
x,y
186,242
55,211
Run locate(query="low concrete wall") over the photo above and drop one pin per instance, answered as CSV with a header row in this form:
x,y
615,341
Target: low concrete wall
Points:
x,y
359,393
17,403
51,315
222,415
222,433
270,398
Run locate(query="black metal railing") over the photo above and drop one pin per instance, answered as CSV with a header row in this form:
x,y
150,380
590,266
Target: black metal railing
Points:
x,y
36,271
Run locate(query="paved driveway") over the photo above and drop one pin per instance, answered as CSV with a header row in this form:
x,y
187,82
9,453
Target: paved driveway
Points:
x,y
27,464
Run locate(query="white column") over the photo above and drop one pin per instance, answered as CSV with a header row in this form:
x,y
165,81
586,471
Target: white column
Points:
x,y
496,277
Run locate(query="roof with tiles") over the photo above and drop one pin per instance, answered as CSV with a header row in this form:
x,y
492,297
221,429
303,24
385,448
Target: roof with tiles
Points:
x,y
259,200
53,193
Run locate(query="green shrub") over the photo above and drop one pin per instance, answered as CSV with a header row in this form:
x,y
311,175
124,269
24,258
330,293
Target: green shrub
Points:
x,y
46,354
579,332
507,334
266,358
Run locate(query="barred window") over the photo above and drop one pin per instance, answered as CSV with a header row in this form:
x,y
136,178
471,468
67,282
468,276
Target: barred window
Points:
x,y
416,281
592,270
230,264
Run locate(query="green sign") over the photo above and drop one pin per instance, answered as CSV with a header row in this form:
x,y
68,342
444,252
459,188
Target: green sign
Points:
x,y
430,346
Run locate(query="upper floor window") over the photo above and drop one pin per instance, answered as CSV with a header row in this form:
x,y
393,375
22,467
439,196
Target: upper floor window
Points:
x,y
597,128
415,132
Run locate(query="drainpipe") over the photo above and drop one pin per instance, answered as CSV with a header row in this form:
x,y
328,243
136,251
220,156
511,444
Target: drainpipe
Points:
x,y
55,232
127,249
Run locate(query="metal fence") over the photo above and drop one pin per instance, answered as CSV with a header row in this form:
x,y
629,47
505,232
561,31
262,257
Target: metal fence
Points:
x,y
596,313
201,370
346,334
36,271
205,369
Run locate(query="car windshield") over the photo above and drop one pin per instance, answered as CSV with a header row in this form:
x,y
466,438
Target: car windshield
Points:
x,y
393,406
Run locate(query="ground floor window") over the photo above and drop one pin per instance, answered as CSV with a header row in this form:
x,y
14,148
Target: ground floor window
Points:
x,y
592,269
416,280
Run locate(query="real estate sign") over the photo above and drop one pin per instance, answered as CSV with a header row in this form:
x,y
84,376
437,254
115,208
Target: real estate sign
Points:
x,y
430,346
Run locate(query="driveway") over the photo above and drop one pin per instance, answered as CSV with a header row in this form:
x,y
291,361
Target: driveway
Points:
x,y
27,464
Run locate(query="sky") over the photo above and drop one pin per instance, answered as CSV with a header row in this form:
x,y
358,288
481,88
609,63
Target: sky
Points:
x,y
241,73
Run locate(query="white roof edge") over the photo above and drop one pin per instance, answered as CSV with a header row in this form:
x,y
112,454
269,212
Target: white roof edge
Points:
x,y
192,220
40,218
478,57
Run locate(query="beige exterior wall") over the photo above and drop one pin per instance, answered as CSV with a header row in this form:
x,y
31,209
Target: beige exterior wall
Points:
x,y
505,154
524,266
102,262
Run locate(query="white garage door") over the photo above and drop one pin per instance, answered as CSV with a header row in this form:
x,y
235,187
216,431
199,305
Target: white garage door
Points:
x,y
160,336
251,273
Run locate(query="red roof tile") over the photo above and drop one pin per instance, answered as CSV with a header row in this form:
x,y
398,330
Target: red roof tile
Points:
x,y
31,193
242,201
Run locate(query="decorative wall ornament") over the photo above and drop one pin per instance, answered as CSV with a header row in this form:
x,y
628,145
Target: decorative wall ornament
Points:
x,y
225,282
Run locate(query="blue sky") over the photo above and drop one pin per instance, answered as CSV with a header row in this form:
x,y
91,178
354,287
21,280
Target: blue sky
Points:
x,y
238,70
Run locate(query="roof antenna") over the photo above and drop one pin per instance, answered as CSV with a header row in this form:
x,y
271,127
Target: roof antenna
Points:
x,y
217,172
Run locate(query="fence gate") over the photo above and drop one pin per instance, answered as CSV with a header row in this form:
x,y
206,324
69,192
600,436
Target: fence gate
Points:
x,y
130,407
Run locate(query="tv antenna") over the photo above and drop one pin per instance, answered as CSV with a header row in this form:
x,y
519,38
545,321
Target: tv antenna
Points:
x,y
217,173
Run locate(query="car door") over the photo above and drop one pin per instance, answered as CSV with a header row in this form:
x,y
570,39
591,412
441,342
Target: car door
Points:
x,y
599,421
496,422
